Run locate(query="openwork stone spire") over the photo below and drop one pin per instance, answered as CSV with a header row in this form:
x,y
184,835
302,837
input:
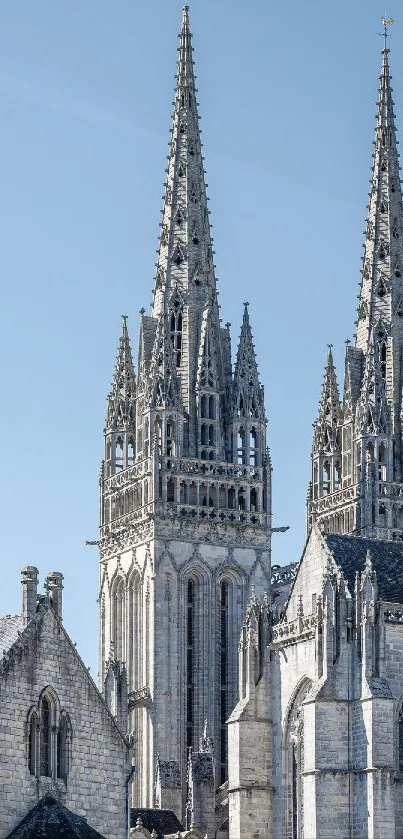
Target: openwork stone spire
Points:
x,y
185,259
355,487
248,399
381,295
121,400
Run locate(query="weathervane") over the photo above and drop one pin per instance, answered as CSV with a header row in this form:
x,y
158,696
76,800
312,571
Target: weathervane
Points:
x,y
386,21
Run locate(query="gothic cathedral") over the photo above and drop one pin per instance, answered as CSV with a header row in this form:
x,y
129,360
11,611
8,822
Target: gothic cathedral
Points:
x,y
185,488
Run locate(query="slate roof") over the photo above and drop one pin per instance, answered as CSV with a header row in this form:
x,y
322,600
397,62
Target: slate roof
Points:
x,y
50,820
10,629
349,553
162,821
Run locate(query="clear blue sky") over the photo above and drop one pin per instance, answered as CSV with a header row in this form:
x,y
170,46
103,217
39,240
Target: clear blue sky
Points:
x,y
287,95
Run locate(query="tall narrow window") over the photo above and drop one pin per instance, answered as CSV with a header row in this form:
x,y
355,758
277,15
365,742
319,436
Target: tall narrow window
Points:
x,y
63,745
326,478
119,455
158,436
32,739
223,679
190,661
253,447
170,439
241,447
46,738
130,452
176,330
119,619
337,475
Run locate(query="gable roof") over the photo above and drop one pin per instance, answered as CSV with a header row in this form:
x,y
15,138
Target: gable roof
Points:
x,y
18,640
50,820
349,553
10,630
162,821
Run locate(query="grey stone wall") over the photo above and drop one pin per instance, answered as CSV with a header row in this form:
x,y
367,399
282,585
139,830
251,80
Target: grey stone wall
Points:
x,y
99,757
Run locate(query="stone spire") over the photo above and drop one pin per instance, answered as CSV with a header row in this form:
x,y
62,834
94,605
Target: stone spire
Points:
x,y
185,259
381,293
121,400
248,394
327,426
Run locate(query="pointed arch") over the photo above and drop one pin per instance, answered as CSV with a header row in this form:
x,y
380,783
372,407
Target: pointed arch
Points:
x,y
293,761
118,615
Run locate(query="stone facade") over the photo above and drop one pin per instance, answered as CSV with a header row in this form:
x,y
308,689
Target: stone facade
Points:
x,y
57,735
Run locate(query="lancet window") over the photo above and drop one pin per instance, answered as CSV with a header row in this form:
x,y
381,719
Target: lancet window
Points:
x,y
49,738
191,652
176,327
224,707
294,766
118,618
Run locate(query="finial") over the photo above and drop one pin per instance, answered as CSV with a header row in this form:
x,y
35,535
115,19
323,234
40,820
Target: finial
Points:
x,y
386,22
185,16
142,311
124,318
246,304
347,342
330,346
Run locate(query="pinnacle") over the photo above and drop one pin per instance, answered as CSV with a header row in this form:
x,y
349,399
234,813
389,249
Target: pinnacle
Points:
x,y
120,410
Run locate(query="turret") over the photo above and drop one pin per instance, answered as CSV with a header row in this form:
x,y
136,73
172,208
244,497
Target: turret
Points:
x,y
249,415
120,427
326,446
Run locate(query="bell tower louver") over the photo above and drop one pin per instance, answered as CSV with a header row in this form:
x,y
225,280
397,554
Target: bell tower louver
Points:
x,y
185,528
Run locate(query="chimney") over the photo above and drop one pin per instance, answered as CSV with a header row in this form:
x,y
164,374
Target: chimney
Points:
x,y
54,588
29,581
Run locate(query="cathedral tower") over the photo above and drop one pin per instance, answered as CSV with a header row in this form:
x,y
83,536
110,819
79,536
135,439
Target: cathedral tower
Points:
x,y
357,468
185,486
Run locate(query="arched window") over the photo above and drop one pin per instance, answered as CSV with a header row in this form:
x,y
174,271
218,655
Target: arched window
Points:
x,y
63,739
212,407
191,653
118,618
224,709
294,765
203,405
45,760
33,730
